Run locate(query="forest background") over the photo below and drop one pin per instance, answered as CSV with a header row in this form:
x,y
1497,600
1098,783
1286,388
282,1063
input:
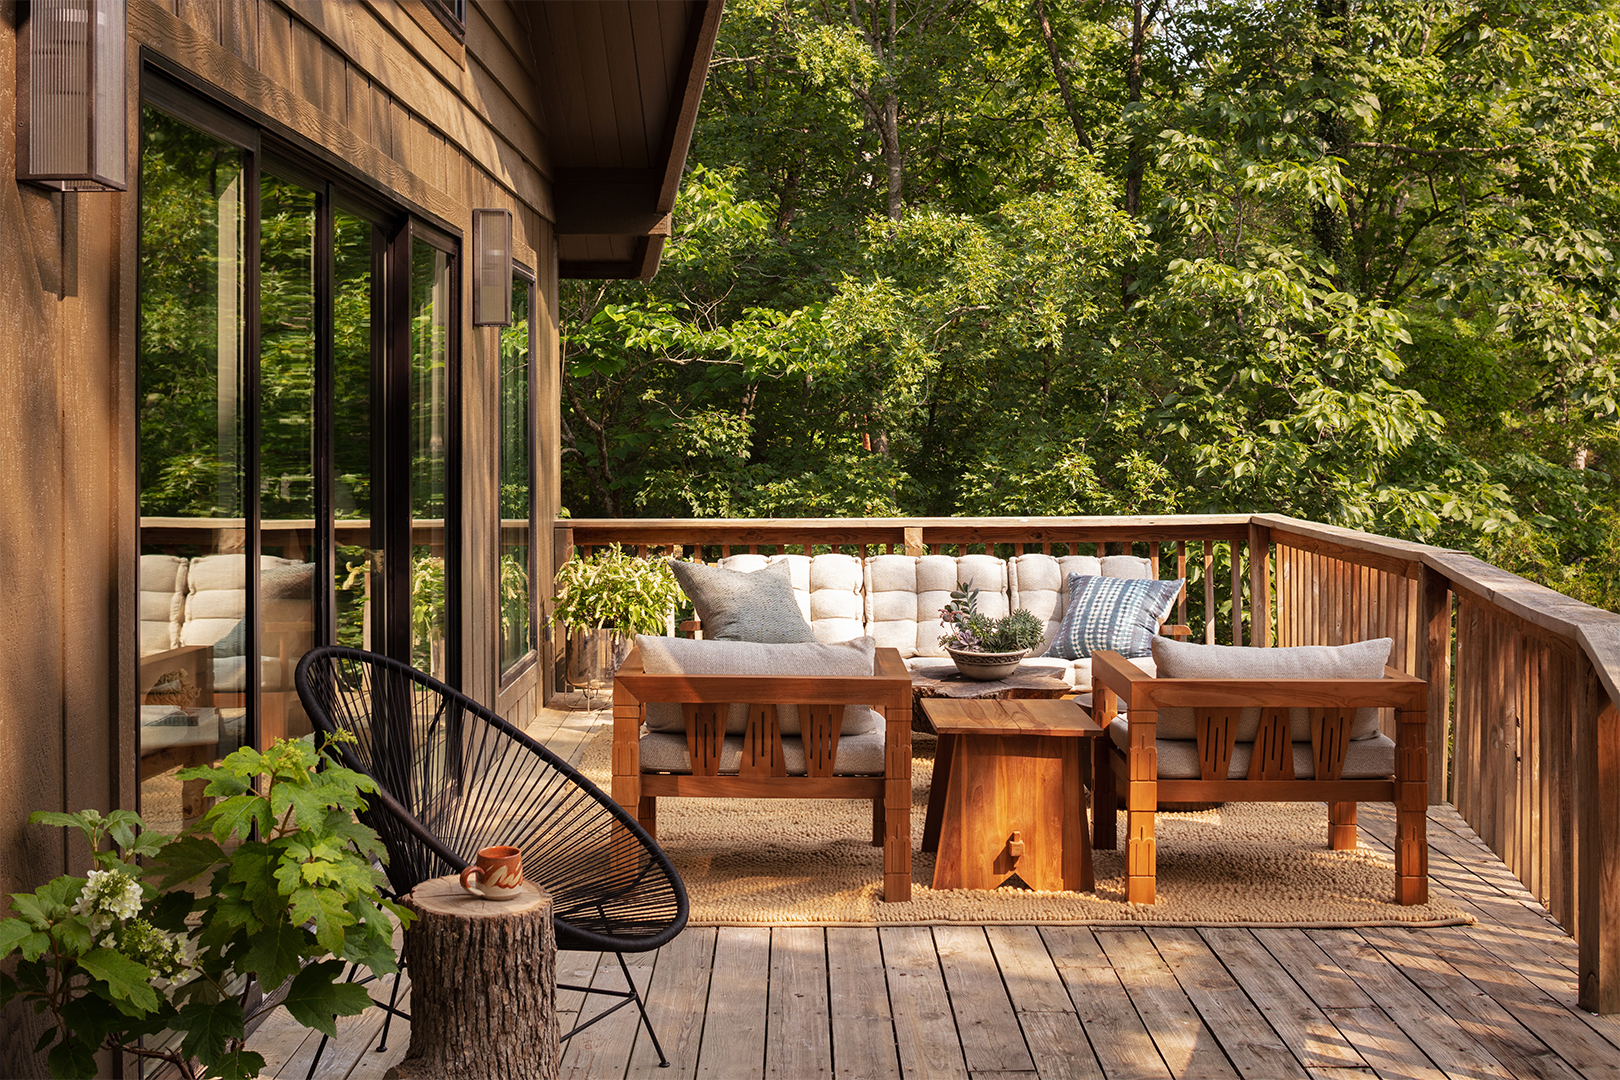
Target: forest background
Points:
x,y
1353,262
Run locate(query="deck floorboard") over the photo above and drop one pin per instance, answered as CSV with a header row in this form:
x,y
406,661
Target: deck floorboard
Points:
x,y
1481,1002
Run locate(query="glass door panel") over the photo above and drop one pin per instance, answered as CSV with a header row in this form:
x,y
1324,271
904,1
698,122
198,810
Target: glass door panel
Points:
x,y
358,563
193,460
430,315
289,510
517,471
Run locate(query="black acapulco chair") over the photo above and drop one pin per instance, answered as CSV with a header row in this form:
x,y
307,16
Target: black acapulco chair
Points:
x,y
453,777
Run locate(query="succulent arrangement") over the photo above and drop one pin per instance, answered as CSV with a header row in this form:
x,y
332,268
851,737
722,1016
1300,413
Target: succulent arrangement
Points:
x,y
972,631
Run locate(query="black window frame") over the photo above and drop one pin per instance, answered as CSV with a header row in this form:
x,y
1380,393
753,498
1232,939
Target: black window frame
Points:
x,y
268,147
452,13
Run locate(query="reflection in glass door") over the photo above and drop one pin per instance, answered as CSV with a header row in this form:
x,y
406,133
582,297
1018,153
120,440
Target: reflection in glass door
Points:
x,y
192,401
289,501
356,250
296,415
431,318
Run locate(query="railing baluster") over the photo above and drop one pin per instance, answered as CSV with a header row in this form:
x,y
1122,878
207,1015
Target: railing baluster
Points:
x,y
1211,613
1181,572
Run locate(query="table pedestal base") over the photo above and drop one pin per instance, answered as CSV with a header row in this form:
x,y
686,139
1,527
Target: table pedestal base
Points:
x,y
996,794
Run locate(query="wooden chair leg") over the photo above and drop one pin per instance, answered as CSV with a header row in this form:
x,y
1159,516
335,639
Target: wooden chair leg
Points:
x,y
647,814
877,822
1104,800
1342,826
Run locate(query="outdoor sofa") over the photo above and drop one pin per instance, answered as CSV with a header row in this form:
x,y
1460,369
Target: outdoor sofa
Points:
x,y
706,727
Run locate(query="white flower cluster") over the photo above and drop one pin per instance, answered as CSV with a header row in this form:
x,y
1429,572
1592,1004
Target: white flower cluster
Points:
x,y
109,896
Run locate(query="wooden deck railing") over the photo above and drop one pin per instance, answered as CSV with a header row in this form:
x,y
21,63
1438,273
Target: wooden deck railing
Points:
x,y
1524,683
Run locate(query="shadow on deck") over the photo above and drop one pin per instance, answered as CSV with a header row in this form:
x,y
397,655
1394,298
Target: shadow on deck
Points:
x,y
1496,999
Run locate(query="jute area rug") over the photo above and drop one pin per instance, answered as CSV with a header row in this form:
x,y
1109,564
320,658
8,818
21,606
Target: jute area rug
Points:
x,y
775,862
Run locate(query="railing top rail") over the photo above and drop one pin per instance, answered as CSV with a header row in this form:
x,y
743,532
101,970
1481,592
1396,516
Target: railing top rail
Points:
x,y
690,525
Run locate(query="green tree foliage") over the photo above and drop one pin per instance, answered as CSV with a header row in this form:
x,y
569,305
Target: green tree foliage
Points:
x,y
1350,261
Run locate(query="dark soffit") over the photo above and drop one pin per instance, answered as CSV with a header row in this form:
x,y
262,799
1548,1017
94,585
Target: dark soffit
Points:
x,y
620,82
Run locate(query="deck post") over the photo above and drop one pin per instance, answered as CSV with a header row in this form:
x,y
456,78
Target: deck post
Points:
x,y
1434,667
1597,865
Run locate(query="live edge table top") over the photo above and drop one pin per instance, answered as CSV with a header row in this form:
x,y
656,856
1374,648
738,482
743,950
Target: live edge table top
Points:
x,y
1055,717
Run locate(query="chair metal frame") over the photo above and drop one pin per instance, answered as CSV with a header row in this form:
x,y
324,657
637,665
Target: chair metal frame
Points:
x,y
417,852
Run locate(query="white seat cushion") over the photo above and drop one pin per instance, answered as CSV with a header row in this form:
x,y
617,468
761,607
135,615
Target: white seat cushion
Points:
x,y
1178,758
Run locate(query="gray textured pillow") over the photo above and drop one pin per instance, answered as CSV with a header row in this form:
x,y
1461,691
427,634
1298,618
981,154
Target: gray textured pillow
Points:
x,y
1183,660
757,606
683,656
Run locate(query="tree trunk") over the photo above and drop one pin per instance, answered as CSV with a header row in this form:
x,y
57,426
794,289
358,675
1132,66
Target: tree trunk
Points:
x,y
483,986
1135,164
1080,135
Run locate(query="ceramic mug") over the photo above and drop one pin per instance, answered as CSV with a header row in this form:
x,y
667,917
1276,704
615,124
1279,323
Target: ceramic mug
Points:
x,y
498,874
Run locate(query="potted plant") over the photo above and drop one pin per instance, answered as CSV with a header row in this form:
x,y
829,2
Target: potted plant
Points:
x,y
982,647
604,600
275,885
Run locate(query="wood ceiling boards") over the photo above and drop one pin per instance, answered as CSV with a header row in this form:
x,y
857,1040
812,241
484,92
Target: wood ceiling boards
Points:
x,y
622,80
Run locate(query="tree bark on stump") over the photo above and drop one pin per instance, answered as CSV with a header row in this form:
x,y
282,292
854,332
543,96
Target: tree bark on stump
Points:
x,y
483,985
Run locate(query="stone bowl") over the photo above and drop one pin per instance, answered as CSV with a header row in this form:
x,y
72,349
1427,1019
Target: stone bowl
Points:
x,y
986,665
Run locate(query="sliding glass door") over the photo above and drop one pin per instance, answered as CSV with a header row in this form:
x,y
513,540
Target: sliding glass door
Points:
x,y
297,439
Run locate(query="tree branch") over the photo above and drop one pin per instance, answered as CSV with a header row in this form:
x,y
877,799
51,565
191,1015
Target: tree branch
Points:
x,y
1447,151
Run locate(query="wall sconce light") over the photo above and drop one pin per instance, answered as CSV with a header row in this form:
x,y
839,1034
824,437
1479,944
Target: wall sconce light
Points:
x,y
72,128
492,268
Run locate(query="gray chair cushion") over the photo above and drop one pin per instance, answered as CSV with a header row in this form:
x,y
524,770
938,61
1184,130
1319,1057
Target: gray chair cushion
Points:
x,y
757,606
858,755
1182,660
683,656
1178,758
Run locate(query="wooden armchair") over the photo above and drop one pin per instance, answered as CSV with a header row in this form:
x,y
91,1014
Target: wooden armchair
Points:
x,y
1216,705
763,771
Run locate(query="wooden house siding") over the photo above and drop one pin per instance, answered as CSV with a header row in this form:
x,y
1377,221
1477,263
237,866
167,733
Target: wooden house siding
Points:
x,y
384,95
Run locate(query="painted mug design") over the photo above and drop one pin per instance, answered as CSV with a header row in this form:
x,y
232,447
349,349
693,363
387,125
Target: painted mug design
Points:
x,y
498,874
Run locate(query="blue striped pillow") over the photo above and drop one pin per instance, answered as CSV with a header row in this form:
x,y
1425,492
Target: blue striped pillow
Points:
x,y
1122,614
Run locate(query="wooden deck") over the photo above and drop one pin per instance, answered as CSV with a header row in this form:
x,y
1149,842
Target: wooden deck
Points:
x,y
1496,999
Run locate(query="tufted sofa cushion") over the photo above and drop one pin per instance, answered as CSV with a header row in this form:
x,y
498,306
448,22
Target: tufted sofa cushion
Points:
x,y
827,587
162,601
205,601
905,592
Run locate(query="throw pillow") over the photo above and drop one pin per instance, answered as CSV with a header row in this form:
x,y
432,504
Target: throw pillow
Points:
x,y
1122,614
683,656
732,606
1184,660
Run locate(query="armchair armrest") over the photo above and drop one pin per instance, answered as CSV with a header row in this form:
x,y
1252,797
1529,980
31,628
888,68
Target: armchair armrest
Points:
x,y
1111,671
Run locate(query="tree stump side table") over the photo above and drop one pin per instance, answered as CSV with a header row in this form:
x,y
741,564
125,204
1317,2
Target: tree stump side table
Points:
x,y
483,985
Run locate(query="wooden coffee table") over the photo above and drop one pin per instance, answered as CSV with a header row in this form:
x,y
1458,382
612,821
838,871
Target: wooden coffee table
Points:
x,y
1007,796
